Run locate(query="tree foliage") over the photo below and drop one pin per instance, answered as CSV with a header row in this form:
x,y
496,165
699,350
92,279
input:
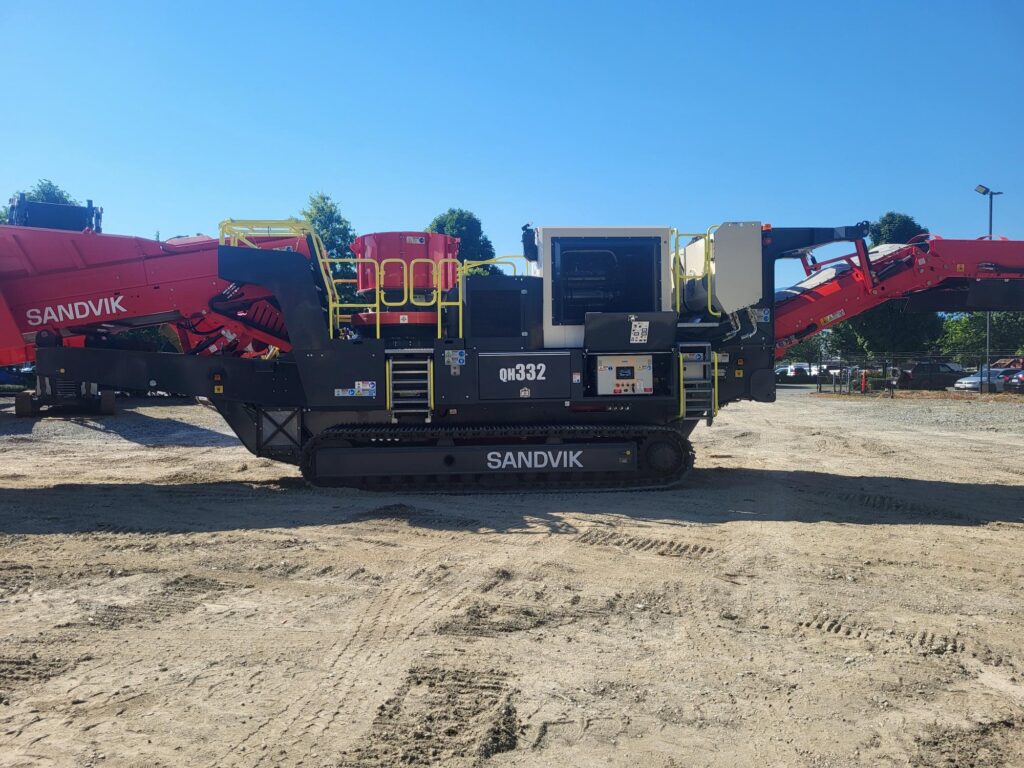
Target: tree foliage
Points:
x,y
894,227
843,342
807,351
334,229
474,245
964,336
888,330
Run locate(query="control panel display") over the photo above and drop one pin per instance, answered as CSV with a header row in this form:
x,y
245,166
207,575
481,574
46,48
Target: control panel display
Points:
x,y
625,375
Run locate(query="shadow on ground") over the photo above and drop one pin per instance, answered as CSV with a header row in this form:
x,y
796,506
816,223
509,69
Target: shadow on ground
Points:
x,y
128,424
712,496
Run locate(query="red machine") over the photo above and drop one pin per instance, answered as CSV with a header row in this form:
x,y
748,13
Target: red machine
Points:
x,y
932,273
77,286
411,267
74,289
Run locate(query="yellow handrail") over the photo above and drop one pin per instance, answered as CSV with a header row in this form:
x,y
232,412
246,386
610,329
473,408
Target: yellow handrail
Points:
x,y
435,281
387,385
430,383
708,259
677,261
442,303
337,305
680,277
682,386
465,266
405,283
714,405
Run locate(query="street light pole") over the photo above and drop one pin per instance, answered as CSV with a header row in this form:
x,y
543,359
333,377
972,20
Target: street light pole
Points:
x,y
985,382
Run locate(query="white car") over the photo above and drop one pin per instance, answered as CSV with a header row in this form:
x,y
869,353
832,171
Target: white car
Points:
x,y
996,380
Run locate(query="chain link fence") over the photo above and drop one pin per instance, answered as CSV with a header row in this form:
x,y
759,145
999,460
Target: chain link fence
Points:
x,y
889,374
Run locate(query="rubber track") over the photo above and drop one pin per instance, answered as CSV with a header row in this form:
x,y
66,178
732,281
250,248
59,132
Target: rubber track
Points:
x,y
642,479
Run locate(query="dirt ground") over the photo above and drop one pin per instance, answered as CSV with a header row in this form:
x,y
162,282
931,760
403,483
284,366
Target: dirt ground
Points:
x,y
840,584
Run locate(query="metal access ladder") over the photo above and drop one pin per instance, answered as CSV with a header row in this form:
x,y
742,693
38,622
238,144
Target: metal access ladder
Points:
x,y
698,390
410,384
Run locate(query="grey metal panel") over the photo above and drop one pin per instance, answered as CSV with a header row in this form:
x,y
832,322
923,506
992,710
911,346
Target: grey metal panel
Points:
x,y
737,265
524,375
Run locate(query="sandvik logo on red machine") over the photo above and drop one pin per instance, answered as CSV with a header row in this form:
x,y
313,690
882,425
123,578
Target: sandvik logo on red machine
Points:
x,y
75,310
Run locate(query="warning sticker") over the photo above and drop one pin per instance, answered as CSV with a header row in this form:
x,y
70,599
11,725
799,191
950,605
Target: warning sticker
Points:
x,y
361,389
833,317
413,240
638,332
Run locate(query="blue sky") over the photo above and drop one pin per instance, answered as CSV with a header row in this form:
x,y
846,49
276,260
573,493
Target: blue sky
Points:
x,y
176,115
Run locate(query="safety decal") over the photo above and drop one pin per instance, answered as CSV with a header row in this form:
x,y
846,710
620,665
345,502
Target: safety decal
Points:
x,y
361,389
833,317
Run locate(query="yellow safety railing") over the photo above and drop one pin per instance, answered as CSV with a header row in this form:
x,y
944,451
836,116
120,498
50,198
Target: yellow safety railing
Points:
x,y
709,258
682,386
714,404
430,383
406,281
681,277
337,305
435,281
442,302
249,232
464,267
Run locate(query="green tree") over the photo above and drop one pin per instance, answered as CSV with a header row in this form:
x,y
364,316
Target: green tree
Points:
x,y
888,329
334,229
895,227
807,351
44,191
964,335
841,341
474,245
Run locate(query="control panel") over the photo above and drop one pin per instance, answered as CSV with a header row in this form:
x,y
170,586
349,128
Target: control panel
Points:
x,y
625,375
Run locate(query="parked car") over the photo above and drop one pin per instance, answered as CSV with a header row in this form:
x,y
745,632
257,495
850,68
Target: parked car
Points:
x,y
928,376
800,372
13,377
996,378
799,369
1016,382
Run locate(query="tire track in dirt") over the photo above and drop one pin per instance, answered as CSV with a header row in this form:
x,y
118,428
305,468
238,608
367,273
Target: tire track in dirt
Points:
x,y
441,716
242,745
881,502
382,622
924,641
178,595
427,609
648,544
836,625
19,671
